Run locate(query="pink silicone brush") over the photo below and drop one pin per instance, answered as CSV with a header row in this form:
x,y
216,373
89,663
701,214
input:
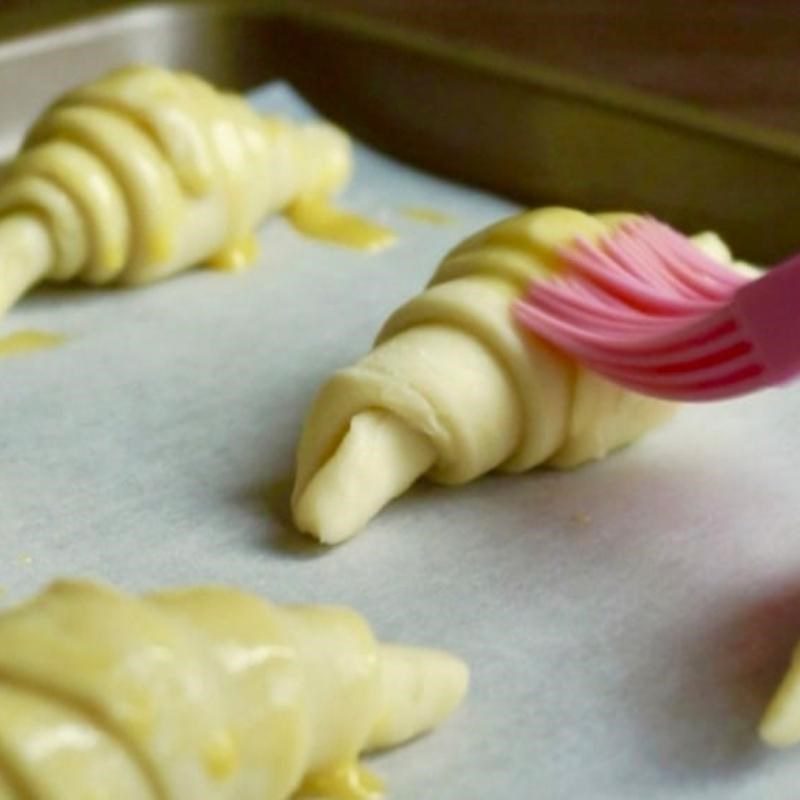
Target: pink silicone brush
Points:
x,y
647,309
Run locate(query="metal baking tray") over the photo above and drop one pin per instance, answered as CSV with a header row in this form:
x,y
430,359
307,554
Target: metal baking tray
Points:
x,y
531,133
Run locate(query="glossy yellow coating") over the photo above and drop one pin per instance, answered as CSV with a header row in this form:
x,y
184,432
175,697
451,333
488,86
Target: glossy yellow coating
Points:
x,y
236,257
28,341
316,216
204,693
349,781
145,172
454,388
430,215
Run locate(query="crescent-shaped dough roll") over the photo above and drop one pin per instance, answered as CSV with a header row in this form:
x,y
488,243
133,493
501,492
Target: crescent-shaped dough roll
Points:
x,y
145,172
454,388
780,725
202,693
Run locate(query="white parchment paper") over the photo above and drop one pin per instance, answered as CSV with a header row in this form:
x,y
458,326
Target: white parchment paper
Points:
x,y
625,623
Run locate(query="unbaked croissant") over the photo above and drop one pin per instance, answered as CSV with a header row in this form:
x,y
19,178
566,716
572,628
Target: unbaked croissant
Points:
x,y
780,726
202,694
454,388
146,172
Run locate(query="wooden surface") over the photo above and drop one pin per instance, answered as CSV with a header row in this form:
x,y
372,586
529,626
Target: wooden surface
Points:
x,y
741,57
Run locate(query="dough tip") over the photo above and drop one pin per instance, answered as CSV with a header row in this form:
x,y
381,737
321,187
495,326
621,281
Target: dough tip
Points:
x,y
419,689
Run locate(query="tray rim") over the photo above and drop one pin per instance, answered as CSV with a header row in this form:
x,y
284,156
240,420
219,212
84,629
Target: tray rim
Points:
x,y
610,96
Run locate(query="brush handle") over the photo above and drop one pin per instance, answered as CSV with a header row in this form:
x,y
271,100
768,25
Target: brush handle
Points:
x,y
766,310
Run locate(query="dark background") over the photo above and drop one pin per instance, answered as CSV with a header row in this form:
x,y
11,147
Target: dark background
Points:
x,y
741,57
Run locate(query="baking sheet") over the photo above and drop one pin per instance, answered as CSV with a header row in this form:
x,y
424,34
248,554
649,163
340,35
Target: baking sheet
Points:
x,y
625,623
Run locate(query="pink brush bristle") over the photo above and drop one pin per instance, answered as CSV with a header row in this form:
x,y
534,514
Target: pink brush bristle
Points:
x,y
640,275
645,261
647,308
